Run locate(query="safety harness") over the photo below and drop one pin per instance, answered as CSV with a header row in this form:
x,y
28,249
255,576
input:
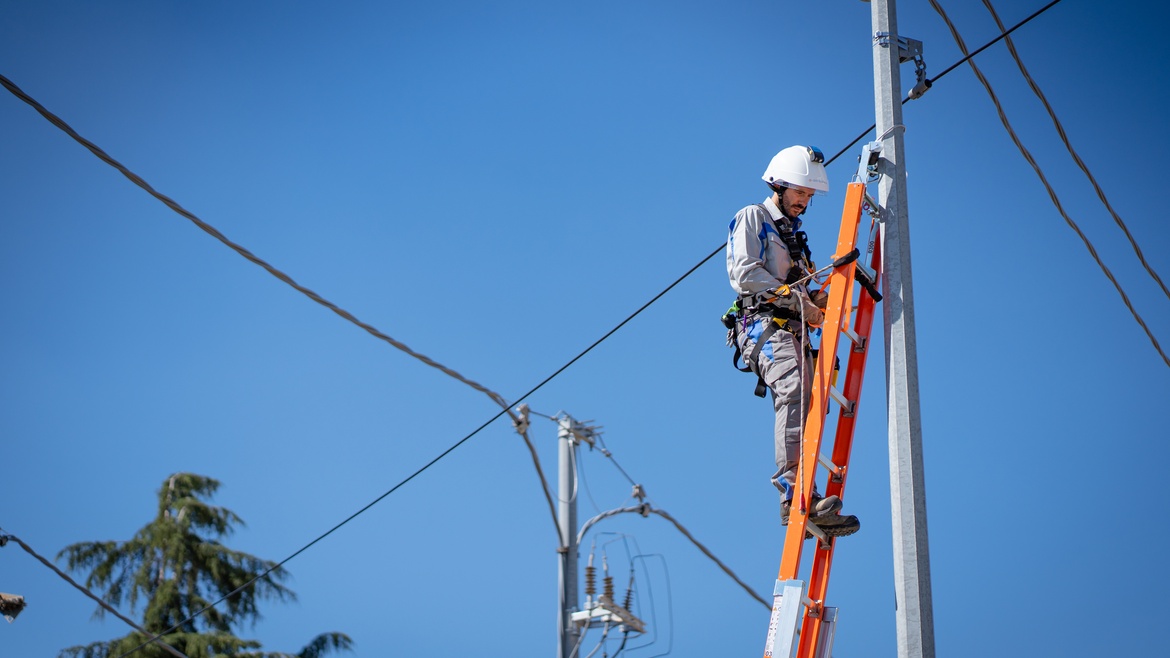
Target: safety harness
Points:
x,y
757,305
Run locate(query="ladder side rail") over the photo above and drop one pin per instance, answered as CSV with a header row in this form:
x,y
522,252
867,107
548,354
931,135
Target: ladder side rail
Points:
x,y
840,296
847,312
840,287
854,378
818,583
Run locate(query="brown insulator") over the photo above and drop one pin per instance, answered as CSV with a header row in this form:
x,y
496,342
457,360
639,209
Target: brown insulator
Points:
x,y
590,580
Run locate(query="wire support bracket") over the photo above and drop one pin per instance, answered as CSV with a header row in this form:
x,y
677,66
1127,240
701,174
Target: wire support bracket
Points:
x,y
909,50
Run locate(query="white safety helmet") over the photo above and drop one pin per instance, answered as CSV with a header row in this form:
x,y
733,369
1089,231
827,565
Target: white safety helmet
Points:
x,y
798,165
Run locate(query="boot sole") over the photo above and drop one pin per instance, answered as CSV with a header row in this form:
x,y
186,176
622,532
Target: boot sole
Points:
x,y
840,530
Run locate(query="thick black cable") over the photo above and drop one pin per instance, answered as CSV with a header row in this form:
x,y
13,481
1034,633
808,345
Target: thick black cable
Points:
x,y
15,90
441,455
52,118
931,81
506,408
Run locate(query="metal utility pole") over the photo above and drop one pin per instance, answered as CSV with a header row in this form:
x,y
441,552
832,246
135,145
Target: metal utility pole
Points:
x,y
570,434
915,616
567,525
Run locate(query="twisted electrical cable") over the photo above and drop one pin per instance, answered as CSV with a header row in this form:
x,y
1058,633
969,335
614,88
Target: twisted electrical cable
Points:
x,y
381,336
451,449
646,508
215,233
1043,179
1072,152
28,549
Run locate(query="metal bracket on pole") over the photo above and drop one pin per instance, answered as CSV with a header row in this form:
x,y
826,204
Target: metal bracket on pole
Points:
x,y
908,50
874,209
578,432
867,164
606,611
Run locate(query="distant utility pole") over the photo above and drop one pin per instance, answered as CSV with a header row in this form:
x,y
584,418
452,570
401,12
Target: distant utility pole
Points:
x,y
915,616
568,435
603,610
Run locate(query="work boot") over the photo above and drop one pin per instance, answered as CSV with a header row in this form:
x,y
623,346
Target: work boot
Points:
x,y
820,508
838,525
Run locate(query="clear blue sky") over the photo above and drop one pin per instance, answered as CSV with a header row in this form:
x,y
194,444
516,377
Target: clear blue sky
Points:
x,y
497,185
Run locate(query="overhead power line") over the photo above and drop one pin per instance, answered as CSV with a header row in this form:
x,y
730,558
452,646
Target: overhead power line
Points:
x,y
210,230
441,455
520,422
1044,180
994,41
930,81
4,538
1072,152
215,233
52,118
646,509
349,317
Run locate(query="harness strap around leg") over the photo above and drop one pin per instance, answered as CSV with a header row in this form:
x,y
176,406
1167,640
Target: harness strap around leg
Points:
x,y
753,359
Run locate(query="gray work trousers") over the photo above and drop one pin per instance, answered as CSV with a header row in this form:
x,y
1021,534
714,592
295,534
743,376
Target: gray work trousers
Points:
x,y
782,364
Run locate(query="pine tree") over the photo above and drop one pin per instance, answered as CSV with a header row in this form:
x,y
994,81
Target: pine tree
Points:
x,y
176,566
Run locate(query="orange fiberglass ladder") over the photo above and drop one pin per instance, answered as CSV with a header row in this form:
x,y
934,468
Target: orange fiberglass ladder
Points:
x,y
801,621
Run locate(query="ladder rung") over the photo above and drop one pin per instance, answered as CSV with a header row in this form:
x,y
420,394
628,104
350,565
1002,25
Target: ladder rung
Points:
x,y
858,341
846,404
836,473
876,210
816,532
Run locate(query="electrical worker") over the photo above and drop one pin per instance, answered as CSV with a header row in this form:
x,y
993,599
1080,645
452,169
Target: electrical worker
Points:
x,y
765,250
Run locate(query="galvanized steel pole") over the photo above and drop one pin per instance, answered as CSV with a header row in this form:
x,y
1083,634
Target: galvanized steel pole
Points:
x,y
915,616
567,633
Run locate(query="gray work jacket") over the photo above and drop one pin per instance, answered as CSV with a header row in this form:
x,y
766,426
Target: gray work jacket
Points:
x,y
757,258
